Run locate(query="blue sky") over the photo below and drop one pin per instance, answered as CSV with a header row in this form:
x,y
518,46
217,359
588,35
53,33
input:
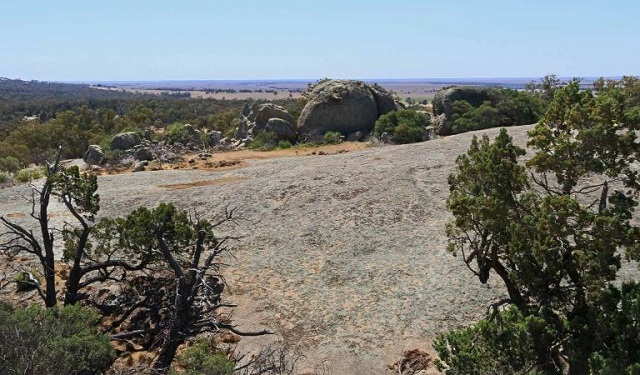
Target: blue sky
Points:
x,y
87,40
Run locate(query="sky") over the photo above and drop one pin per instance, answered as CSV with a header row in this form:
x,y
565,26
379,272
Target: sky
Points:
x,y
143,40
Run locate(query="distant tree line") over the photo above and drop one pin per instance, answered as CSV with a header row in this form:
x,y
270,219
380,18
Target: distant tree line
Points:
x,y
37,117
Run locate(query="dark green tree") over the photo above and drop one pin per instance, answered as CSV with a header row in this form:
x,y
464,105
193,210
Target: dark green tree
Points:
x,y
555,234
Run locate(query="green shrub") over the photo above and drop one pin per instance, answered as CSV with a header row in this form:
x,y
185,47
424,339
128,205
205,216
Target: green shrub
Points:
x,y
332,138
5,177
264,141
174,133
205,139
204,358
503,345
9,164
177,133
64,341
283,145
28,175
403,126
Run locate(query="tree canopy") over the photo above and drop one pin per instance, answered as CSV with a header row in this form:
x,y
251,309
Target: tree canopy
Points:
x,y
554,231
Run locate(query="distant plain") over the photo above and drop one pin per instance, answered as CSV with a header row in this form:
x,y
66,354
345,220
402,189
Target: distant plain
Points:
x,y
416,89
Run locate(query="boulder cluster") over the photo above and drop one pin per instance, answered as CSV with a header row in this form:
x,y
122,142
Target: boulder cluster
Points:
x,y
344,106
266,117
136,151
348,107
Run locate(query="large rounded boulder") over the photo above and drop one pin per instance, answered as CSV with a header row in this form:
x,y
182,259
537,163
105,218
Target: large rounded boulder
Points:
x,y
443,104
266,117
125,141
343,106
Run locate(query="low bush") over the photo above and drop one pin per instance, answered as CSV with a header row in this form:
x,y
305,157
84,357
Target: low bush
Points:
x,y
204,358
5,177
28,175
264,141
283,145
9,164
175,133
332,138
502,345
53,341
403,126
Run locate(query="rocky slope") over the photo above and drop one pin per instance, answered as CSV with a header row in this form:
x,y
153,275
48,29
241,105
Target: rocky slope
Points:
x,y
343,255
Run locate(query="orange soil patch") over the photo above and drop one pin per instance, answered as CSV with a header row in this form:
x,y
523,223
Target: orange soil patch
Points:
x,y
15,215
294,151
229,160
203,183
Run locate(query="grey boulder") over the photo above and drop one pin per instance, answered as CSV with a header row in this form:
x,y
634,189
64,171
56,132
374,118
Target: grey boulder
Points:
x,y
144,154
125,141
344,106
94,155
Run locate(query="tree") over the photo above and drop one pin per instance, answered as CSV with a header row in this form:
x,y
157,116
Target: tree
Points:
x,y
19,239
191,250
181,297
89,263
545,88
503,107
554,234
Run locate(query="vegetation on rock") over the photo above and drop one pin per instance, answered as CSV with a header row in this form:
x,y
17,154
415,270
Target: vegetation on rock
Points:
x,y
466,109
403,126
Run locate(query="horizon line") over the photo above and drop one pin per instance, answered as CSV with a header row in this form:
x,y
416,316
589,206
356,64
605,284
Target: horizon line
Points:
x,y
415,79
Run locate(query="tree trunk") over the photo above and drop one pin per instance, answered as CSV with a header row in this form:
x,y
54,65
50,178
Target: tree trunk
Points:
x,y
71,295
47,240
169,349
50,281
179,327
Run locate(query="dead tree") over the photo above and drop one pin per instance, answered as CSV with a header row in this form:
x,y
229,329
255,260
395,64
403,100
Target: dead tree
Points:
x,y
198,282
19,239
